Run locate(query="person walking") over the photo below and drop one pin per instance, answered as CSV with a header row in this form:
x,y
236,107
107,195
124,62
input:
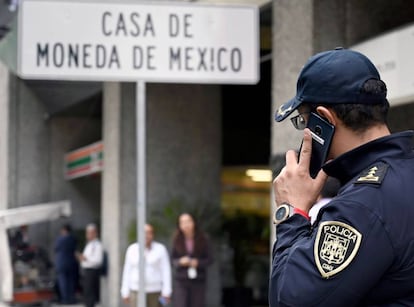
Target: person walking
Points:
x,y
360,250
91,261
157,272
191,255
66,265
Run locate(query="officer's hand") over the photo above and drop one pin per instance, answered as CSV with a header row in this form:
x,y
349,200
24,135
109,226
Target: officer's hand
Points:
x,y
294,185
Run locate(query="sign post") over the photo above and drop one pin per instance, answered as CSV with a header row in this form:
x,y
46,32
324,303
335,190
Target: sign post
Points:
x,y
140,124
178,42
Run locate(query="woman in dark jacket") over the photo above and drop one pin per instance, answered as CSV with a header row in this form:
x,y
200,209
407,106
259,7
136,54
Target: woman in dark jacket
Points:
x,y
191,255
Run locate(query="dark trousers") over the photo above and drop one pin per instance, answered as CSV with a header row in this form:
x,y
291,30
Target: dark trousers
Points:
x,y
67,284
189,293
91,279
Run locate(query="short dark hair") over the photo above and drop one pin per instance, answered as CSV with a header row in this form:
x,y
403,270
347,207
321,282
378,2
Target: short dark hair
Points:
x,y
361,116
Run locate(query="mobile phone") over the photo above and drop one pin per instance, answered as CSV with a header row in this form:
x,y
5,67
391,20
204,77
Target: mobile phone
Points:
x,y
322,133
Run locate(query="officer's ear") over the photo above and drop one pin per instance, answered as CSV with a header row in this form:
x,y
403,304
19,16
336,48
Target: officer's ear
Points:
x,y
328,114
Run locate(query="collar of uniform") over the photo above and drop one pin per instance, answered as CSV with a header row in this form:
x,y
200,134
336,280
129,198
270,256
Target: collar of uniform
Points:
x,y
351,163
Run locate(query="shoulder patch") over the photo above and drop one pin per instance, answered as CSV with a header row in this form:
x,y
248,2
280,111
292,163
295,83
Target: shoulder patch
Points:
x,y
335,247
374,174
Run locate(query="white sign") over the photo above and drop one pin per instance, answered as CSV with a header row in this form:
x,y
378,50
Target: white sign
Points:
x,y
392,54
124,41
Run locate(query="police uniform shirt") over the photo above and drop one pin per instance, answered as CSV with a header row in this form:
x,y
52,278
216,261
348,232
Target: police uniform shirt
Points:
x,y
360,251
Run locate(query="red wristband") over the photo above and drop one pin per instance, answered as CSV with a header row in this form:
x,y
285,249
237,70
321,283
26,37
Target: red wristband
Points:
x,y
301,212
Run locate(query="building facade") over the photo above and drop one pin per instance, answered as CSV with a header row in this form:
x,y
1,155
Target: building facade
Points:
x,y
41,121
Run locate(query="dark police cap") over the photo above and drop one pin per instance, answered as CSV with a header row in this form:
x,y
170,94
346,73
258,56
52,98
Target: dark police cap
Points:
x,y
333,77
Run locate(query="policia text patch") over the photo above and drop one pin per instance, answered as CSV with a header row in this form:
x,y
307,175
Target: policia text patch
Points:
x,y
335,247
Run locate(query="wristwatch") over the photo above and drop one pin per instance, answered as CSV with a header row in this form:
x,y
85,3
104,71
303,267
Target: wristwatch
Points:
x,y
283,212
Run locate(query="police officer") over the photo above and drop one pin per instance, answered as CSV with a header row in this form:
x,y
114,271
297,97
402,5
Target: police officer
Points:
x,y
360,251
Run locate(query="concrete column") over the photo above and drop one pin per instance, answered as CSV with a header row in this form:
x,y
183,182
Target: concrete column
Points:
x,y
292,45
29,146
28,152
111,204
4,136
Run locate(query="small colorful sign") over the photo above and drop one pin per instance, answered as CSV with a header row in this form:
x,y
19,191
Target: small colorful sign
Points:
x,y
84,161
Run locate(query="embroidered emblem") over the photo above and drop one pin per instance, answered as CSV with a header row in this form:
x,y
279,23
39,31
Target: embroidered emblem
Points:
x,y
374,174
335,247
281,112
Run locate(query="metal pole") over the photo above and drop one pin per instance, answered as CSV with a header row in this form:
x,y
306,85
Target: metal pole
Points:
x,y
140,125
